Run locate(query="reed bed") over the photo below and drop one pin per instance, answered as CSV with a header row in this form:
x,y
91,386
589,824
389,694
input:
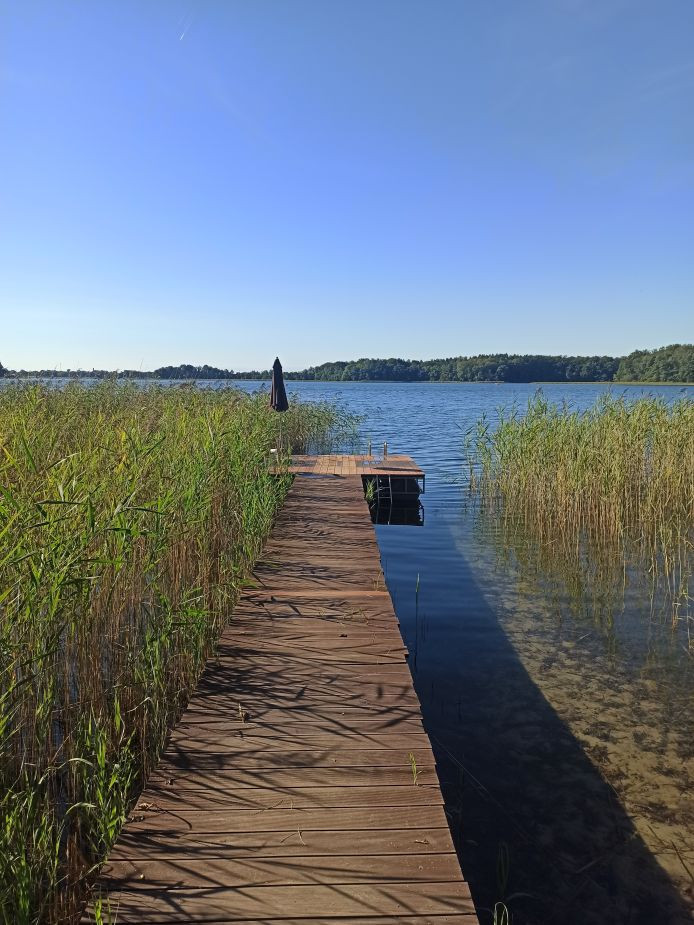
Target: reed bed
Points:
x,y
611,484
128,521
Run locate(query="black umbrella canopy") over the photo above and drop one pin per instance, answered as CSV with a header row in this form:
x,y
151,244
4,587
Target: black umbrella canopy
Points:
x,y
278,394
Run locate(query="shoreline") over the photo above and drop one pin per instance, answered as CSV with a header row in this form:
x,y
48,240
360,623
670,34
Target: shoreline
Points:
x,y
573,382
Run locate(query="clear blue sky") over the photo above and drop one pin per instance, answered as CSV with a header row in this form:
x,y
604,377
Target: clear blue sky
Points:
x,y
222,180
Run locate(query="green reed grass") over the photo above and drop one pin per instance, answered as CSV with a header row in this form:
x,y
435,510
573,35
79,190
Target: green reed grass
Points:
x,y
128,520
614,481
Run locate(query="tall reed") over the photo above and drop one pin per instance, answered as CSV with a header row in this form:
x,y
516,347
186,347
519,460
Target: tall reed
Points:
x,y
615,479
128,520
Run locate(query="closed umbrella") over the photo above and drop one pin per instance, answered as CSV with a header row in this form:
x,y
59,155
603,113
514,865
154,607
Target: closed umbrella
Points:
x,y
278,394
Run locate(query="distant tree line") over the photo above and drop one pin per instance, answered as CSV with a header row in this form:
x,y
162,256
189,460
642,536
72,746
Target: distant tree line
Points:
x,y
500,367
184,371
666,364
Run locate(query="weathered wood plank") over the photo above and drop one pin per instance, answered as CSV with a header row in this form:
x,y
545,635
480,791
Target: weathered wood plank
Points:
x,y
330,648
304,669
186,758
218,739
328,716
285,844
310,602
214,795
307,699
320,594
285,779
287,819
326,901
336,638
303,576
455,919
313,692
151,873
299,736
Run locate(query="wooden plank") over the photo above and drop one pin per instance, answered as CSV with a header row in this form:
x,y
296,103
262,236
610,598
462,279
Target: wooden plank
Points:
x,y
386,651
150,873
235,739
288,819
369,734
320,634
301,701
216,903
297,668
358,595
285,844
335,727
329,715
215,795
297,705
286,779
300,577
312,632
454,919
241,742
323,615
372,612
185,758
341,640
315,688
360,558
326,599
429,919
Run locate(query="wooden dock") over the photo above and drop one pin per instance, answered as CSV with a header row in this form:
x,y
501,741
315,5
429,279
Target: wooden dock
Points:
x,y
299,787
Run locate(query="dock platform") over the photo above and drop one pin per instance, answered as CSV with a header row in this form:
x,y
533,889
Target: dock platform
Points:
x,y
299,786
392,476
396,464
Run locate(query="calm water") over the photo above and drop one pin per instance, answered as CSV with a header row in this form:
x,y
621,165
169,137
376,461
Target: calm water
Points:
x,y
562,724
561,713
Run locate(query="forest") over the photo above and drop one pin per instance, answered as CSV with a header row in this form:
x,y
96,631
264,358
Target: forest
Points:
x,y
669,364
674,363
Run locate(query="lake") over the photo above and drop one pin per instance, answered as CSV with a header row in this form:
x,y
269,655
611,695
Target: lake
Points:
x,y
559,703
562,721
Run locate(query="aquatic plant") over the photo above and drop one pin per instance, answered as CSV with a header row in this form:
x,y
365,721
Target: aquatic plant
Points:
x,y
413,767
128,520
613,484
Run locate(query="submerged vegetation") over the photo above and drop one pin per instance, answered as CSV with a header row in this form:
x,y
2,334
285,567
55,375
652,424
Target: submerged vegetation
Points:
x,y
603,491
585,527
128,521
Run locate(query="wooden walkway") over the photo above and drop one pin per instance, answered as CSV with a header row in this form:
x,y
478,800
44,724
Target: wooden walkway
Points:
x,y
287,793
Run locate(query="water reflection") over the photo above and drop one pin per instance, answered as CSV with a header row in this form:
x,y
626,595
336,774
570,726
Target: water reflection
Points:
x,y
397,513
